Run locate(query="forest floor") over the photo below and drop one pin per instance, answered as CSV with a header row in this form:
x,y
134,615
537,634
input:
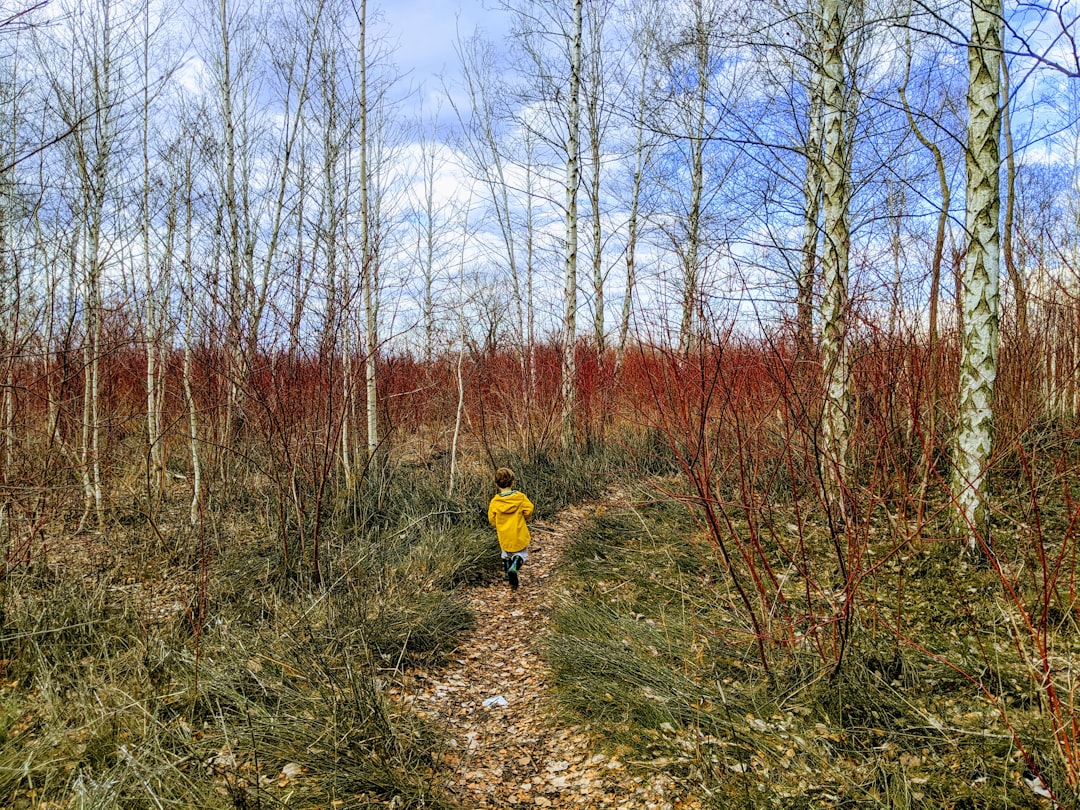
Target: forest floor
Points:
x,y
510,746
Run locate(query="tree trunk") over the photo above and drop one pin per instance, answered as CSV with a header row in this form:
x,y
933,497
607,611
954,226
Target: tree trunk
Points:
x,y
835,206
573,172
1016,276
155,474
368,257
804,314
982,268
691,257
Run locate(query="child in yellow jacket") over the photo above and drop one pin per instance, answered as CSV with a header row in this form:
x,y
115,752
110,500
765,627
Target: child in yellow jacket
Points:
x,y
507,512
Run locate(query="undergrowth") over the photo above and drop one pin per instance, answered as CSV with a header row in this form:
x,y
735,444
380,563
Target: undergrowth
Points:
x,y
169,667
650,647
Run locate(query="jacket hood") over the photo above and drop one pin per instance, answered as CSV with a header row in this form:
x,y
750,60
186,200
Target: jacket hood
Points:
x,y
507,504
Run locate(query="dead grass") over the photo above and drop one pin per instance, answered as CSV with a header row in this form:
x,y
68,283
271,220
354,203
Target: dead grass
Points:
x,y
196,672
650,647
156,666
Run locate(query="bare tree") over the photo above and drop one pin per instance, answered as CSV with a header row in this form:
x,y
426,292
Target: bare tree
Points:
x,y
190,147
979,348
568,369
333,120
916,123
836,197
812,183
695,79
431,217
485,142
17,212
368,255
1016,277
157,270
700,84
87,85
597,114
232,77
641,53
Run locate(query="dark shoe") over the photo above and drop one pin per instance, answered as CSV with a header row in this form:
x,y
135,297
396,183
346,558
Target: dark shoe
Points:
x,y
512,571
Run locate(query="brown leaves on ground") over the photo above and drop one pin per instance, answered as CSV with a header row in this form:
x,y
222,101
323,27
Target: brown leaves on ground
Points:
x,y
522,754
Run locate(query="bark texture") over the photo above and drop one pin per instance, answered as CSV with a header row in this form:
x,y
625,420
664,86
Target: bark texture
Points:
x,y
835,249
573,178
981,273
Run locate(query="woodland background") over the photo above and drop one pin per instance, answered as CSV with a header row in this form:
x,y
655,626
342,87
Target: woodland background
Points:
x,y
270,313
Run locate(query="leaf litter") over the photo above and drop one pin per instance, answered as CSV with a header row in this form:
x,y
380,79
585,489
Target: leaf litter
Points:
x,y
524,753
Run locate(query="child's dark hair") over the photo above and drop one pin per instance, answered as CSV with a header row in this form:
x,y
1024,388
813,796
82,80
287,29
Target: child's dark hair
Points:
x,y
504,478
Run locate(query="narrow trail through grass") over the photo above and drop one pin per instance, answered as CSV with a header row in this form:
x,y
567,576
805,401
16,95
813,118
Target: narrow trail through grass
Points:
x,y
523,753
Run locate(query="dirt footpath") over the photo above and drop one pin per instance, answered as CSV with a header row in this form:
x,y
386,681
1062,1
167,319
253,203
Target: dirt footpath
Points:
x,y
510,749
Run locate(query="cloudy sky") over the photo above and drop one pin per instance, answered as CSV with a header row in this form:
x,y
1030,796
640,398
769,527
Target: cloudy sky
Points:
x,y
425,32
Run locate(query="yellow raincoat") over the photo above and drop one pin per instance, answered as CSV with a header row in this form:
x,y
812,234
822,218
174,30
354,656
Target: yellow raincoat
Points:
x,y
508,513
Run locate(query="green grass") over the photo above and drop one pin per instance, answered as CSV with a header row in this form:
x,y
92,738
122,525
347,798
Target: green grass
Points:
x,y
651,649
167,668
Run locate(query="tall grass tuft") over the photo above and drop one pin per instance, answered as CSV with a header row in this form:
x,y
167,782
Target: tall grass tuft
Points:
x,y
650,647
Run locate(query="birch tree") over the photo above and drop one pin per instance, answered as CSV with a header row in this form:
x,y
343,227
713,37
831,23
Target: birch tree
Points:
x,y
641,55
333,121
191,147
981,274
1013,271
87,85
597,113
836,196
551,68
695,169
368,256
695,77
568,368
232,76
12,283
430,217
484,136
157,271
812,185
918,121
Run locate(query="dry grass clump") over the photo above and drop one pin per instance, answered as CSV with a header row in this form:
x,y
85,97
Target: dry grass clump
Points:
x,y
102,709
651,648
199,672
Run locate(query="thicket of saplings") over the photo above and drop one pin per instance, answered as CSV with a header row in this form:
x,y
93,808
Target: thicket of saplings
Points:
x,y
730,632
725,629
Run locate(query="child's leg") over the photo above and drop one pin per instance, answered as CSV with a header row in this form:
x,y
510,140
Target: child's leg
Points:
x,y
516,561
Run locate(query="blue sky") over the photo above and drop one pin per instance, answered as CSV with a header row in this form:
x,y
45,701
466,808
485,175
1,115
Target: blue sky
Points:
x,y
425,32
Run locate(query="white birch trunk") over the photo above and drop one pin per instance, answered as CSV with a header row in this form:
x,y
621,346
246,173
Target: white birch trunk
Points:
x,y
631,244
594,88
195,510
982,268
691,281
189,202
235,296
152,336
573,178
644,45
812,180
368,259
834,265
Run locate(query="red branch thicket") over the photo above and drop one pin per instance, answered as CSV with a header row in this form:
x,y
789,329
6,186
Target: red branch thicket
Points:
x,y
736,422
